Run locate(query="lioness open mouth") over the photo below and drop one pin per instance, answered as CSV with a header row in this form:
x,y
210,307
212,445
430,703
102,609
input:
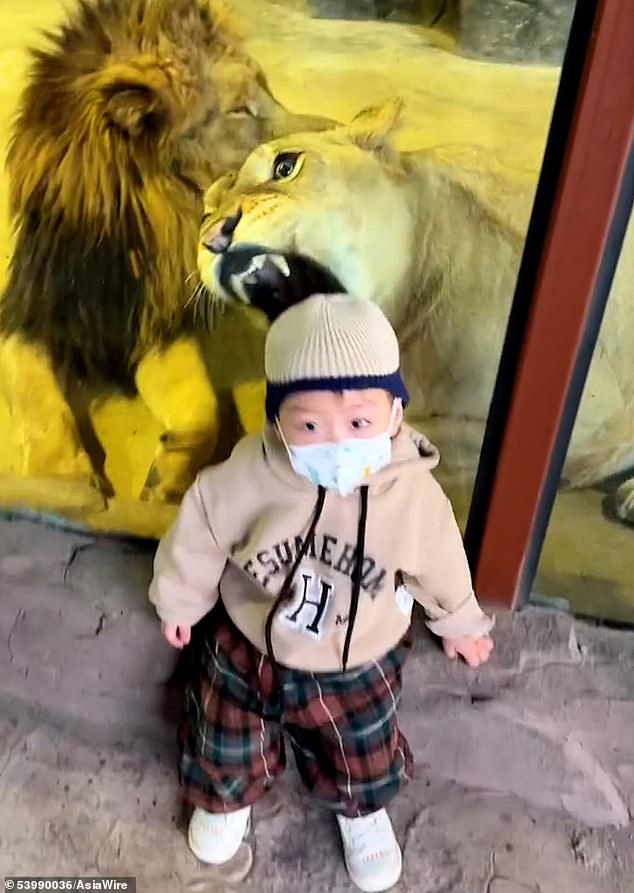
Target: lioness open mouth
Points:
x,y
270,280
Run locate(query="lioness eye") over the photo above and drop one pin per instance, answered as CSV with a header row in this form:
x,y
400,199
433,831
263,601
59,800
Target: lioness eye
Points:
x,y
284,165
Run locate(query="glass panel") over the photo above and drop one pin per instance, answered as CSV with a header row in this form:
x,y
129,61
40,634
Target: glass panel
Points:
x,y
587,562
434,236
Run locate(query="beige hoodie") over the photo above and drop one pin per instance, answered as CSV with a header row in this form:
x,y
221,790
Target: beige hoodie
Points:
x,y
240,526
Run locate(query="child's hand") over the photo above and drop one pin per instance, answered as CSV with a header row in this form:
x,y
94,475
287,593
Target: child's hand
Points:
x,y
474,651
177,635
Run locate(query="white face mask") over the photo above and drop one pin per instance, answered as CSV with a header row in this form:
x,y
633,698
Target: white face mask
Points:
x,y
342,466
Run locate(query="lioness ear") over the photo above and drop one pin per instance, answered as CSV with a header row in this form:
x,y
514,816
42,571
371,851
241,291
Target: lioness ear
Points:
x,y
373,125
136,110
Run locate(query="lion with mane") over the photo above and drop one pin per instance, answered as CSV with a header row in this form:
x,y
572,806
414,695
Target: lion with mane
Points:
x,y
128,114
438,247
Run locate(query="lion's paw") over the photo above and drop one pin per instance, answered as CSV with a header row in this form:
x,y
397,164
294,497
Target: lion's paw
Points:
x,y
160,495
165,488
176,463
624,502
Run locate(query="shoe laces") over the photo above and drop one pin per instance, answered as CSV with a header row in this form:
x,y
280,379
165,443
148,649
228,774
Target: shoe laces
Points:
x,y
228,818
369,834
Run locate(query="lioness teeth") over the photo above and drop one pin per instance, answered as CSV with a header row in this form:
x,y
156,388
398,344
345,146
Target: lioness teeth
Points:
x,y
258,262
236,280
279,261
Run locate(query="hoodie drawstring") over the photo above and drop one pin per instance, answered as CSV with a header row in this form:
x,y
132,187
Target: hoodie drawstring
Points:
x,y
287,585
357,574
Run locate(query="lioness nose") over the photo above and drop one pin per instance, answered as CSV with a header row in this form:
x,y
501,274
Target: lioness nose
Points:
x,y
218,238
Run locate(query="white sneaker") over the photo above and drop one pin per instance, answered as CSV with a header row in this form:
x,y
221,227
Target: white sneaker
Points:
x,y
215,838
373,856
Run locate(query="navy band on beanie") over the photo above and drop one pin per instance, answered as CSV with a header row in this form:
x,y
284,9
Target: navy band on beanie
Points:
x,y
277,393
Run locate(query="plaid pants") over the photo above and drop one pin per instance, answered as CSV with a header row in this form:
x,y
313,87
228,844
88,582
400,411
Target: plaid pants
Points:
x,y
342,728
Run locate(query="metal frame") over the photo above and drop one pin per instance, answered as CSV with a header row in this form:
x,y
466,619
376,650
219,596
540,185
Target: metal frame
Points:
x,y
572,247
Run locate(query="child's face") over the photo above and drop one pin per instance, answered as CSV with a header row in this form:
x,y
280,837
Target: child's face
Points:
x,y
329,417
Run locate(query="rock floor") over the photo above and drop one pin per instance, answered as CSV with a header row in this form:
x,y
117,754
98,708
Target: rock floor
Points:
x,y
525,768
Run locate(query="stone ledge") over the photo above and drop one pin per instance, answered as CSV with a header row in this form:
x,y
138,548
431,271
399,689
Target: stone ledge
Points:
x,y
521,31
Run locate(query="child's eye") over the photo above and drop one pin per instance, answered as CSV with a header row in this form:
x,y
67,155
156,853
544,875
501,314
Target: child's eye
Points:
x,y
357,424
310,426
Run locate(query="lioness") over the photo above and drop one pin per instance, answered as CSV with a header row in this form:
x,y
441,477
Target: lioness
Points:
x,y
414,233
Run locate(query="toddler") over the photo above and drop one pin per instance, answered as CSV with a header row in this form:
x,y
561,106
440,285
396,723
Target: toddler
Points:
x,y
311,543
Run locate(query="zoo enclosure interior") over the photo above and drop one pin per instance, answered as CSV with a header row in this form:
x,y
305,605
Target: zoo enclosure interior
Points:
x,y
472,116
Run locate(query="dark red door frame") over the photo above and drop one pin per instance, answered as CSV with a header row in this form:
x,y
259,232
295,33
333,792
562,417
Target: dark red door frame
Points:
x,y
562,287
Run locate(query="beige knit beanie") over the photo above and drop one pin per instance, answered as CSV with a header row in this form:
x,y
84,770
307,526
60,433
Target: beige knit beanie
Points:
x,y
327,343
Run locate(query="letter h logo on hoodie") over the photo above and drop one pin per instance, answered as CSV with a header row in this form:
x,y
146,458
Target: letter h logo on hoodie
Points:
x,y
309,608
